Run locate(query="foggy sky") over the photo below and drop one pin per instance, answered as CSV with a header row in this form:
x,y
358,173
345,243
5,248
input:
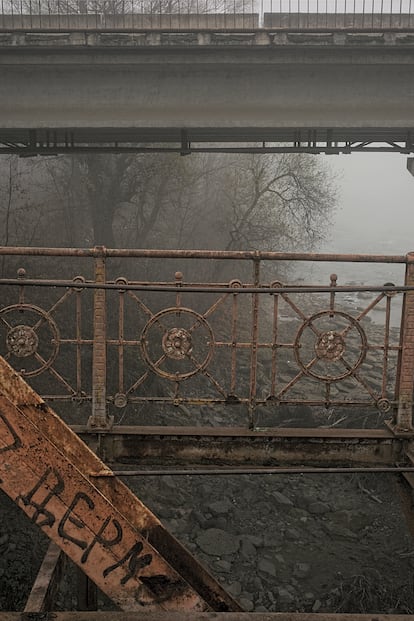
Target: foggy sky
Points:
x,y
376,204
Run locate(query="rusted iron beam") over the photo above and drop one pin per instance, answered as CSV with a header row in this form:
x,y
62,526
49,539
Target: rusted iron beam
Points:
x,y
46,584
38,476
102,526
202,616
86,592
224,471
194,447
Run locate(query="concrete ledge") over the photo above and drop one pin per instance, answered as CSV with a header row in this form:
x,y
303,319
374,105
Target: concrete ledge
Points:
x,y
365,38
207,38
311,38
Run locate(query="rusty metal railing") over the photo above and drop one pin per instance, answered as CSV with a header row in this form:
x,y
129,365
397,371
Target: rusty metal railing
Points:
x,y
199,331
189,15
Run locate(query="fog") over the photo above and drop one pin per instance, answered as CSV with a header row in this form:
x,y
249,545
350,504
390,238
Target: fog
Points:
x,y
375,215
376,204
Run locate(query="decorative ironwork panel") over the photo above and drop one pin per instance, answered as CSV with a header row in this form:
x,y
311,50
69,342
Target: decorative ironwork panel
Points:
x,y
252,341
46,344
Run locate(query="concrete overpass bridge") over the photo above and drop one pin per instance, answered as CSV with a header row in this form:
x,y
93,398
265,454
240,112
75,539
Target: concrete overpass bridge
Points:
x,y
313,82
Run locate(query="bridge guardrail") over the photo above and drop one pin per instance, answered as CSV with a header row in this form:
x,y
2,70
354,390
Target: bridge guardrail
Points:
x,y
223,332
202,15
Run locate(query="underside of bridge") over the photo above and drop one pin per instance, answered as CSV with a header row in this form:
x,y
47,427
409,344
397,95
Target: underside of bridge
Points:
x,y
324,86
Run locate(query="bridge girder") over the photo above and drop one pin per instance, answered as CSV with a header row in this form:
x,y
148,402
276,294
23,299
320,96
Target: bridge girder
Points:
x,y
222,98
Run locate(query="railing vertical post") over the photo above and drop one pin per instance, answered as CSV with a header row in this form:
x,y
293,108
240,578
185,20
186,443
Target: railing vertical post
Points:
x,y
405,377
99,418
87,593
254,338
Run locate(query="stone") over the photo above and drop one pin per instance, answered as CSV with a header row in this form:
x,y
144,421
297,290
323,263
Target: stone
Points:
x,y
257,584
174,525
165,512
170,482
301,570
359,520
270,597
199,518
285,597
217,542
246,604
223,565
216,522
256,540
281,499
299,514
234,589
339,531
292,534
206,490
316,605
318,508
267,567
250,494
220,507
247,549
343,518
304,499
271,540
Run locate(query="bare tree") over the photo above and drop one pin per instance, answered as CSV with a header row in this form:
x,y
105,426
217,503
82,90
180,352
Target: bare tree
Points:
x,y
118,7
118,199
20,218
279,202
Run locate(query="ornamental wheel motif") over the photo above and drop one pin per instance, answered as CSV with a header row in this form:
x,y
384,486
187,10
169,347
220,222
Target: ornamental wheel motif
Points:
x,y
177,343
30,336
330,346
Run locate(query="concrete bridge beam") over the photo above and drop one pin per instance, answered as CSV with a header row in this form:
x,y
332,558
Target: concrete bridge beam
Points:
x,y
245,93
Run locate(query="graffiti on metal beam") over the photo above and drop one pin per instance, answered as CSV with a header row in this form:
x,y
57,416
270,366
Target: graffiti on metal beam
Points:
x,y
74,526
7,430
37,473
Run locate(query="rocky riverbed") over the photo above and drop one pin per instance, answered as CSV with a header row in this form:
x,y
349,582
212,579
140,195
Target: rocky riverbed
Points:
x,y
294,542
277,543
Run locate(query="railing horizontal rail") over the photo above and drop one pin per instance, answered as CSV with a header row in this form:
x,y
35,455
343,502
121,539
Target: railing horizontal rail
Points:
x,y
254,255
184,288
